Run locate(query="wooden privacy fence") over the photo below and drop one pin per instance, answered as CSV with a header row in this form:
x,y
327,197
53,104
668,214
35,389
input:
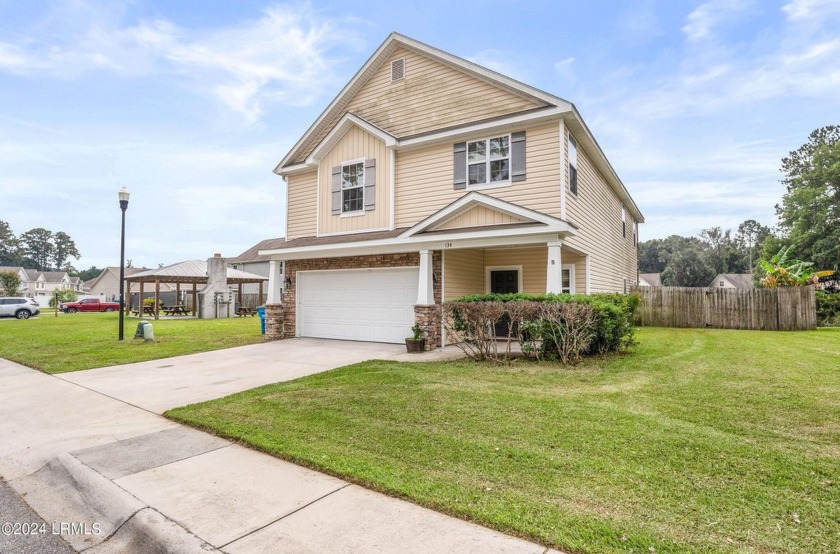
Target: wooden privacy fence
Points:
x,y
776,309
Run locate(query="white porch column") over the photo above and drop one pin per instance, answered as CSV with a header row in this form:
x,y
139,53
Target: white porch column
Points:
x,y
554,269
275,282
426,287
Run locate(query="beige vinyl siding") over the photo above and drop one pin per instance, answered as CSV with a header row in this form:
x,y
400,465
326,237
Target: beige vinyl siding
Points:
x,y
463,273
356,144
533,261
579,261
596,211
301,202
480,216
424,178
432,96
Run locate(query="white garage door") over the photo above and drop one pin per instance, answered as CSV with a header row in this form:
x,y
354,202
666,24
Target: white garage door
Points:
x,y
357,304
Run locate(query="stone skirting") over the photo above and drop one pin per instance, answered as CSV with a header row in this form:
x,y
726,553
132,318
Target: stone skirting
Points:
x,y
274,322
428,318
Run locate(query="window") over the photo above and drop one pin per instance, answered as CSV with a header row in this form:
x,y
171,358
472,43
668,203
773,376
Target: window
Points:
x,y
623,222
572,165
721,284
488,161
353,187
567,278
635,233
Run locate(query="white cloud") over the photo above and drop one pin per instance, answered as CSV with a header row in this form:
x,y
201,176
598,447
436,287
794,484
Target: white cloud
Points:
x,y
285,56
564,68
810,9
703,21
500,62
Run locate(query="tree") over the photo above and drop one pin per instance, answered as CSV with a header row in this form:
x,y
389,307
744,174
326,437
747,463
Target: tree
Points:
x,y
687,269
719,249
649,256
751,234
9,282
810,210
63,295
9,246
38,247
90,273
64,248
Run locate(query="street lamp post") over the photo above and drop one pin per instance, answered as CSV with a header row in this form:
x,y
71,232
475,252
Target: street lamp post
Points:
x,y
123,194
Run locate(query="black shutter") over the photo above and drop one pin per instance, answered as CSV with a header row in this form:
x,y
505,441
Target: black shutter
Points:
x,y
517,156
336,190
370,184
460,165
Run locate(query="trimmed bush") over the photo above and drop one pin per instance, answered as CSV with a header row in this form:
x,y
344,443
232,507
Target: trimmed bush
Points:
x,y
828,308
563,327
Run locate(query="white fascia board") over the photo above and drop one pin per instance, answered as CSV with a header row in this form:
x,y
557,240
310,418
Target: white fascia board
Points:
x,y
544,115
443,241
472,199
604,165
337,132
292,169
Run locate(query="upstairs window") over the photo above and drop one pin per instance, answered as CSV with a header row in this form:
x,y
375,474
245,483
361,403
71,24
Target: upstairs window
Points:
x,y
635,233
488,161
353,187
623,222
573,166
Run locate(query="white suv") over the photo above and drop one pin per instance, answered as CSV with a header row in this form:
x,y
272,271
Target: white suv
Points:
x,y
21,308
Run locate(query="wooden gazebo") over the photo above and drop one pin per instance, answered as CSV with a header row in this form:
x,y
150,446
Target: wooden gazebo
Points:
x,y
189,273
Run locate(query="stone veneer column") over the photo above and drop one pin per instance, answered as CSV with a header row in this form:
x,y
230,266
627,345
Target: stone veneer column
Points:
x,y
429,320
274,322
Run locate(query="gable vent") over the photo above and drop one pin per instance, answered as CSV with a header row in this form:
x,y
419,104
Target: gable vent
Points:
x,y
397,69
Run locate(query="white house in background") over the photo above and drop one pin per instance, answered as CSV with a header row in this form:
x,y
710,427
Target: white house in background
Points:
x,y
732,281
106,286
650,279
252,262
22,274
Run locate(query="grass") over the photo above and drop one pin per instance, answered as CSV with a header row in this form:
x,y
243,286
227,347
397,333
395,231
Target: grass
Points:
x,y
696,441
71,342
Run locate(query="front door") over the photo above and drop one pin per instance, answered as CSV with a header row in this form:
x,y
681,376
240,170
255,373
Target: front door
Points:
x,y
504,281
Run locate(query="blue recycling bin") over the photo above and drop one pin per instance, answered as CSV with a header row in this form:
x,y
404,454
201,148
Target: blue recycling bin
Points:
x,y
261,313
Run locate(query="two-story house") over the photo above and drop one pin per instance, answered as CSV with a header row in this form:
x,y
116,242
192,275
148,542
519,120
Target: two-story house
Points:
x,y
430,177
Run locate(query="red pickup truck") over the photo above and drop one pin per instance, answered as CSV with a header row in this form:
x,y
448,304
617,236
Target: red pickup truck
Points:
x,y
89,305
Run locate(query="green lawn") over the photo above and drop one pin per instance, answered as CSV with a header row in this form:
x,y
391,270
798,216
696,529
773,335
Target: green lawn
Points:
x,y
696,441
71,342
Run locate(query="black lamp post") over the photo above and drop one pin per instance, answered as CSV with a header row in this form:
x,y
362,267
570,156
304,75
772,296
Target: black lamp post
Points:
x,y
123,194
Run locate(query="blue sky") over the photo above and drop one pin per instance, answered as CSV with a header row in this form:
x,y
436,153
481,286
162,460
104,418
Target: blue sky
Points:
x,y
191,105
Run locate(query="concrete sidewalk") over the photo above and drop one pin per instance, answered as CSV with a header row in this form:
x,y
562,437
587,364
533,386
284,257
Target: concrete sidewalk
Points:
x,y
112,476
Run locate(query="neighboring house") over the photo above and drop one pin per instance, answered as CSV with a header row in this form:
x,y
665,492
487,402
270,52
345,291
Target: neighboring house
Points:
x,y
650,279
732,281
252,262
23,275
106,286
430,177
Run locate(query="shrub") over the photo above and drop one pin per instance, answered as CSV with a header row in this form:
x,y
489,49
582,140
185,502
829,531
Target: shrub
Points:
x,y
64,295
553,326
828,308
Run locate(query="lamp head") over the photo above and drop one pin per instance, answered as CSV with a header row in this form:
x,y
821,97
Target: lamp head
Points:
x,y
123,194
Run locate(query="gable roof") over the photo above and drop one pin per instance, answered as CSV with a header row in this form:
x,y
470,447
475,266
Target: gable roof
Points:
x,y
549,107
653,279
54,276
738,280
193,271
115,271
473,199
253,253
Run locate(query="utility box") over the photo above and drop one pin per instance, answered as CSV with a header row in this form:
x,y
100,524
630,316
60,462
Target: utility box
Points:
x,y
144,331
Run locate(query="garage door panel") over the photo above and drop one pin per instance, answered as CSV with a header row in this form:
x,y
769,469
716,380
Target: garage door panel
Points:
x,y
370,305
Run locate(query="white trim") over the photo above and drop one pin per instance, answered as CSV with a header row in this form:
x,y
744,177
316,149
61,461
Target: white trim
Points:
x,y
318,202
357,161
474,198
571,269
492,185
357,213
298,272
442,297
484,239
588,276
392,158
337,133
490,268
487,163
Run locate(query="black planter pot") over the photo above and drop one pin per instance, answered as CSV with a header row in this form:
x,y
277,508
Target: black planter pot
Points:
x,y
418,345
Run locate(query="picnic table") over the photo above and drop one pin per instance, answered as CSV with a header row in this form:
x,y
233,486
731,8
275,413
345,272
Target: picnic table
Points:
x,y
177,309
150,310
243,311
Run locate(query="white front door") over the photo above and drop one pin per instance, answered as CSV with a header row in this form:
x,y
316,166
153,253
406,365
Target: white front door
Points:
x,y
374,305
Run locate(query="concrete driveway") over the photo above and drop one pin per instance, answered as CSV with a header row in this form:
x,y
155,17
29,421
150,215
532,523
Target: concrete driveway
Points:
x,y
88,450
159,385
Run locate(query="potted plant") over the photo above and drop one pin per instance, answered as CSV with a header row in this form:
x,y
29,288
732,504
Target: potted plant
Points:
x,y
416,342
